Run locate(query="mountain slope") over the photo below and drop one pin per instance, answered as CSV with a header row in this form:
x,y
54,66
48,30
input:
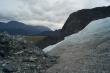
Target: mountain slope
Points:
x,y
85,52
14,27
80,19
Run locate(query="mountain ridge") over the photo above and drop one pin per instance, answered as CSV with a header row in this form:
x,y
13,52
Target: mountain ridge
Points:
x,y
18,28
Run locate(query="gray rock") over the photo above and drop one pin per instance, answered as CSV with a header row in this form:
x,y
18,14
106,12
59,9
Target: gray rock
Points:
x,y
8,68
20,57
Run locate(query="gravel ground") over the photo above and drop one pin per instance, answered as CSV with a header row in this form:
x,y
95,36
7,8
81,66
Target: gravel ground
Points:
x,y
21,57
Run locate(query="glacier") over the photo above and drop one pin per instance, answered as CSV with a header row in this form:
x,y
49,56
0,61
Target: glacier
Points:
x,y
96,30
87,51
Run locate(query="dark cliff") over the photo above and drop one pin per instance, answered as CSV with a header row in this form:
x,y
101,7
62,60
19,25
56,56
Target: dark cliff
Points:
x,y
80,19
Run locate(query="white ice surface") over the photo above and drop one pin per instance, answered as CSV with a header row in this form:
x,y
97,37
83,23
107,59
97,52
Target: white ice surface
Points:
x,y
98,30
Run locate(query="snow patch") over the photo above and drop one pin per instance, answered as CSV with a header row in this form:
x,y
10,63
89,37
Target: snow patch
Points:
x,y
49,48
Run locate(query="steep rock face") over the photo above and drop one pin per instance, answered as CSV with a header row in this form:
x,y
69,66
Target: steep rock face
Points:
x,y
80,19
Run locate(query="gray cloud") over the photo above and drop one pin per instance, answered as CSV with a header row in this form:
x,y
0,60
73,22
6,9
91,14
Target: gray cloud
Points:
x,y
50,13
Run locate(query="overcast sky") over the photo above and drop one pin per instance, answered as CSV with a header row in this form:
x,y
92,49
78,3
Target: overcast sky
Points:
x,y
51,13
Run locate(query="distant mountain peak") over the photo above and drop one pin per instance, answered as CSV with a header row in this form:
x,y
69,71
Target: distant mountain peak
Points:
x,y
15,27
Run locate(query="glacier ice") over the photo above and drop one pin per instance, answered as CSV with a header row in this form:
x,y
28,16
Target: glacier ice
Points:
x,y
96,31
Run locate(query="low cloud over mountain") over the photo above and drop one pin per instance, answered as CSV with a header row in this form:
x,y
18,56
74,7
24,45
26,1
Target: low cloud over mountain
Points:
x,y
51,13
